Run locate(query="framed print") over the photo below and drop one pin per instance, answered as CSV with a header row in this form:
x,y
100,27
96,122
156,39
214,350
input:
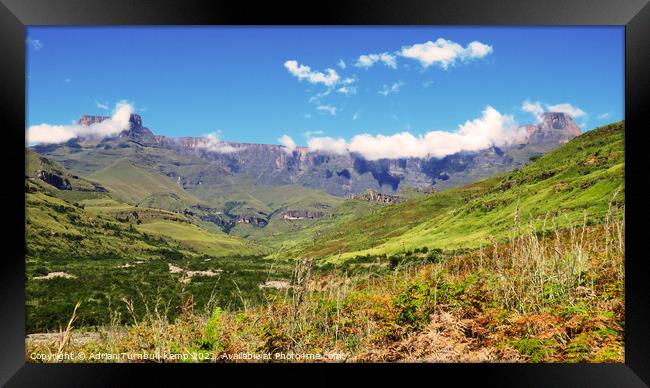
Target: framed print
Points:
x,y
374,187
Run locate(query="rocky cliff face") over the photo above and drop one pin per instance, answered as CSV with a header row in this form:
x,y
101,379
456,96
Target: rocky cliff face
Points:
x,y
292,215
55,180
136,131
339,175
554,127
350,173
375,196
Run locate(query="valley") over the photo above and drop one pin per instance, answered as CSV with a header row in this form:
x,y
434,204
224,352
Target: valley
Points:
x,y
148,230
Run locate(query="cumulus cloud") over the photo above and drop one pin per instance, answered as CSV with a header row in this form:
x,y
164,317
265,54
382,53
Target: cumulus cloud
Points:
x,y
568,109
329,78
491,129
328,144
603,116
212,143
369,60
288,143
327,108
444,53
342,64
394,88
53,134
537,108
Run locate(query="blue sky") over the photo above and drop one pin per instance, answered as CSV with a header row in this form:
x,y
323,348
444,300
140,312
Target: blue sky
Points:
x,y
236,81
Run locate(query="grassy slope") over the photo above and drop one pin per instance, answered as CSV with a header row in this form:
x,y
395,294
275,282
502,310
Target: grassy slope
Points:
x,y
283,236
199,239
578,178
133,183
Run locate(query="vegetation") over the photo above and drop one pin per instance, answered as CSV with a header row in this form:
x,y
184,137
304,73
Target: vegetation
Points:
x,y
525,266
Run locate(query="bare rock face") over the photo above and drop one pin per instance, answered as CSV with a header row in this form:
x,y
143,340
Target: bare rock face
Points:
x,y
292,215
554,127
88,120
136,131
376,196
337,174
55,180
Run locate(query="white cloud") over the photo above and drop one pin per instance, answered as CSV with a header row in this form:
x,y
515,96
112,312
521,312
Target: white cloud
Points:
x,y
329,78
536,109
316,98
355,116
394,88
492,128
603,116
288,143
347,87
327,108
49,134
328,144
342,64
445,53
368,60
347,90
568,109
212,143
34,43
101,105
307,115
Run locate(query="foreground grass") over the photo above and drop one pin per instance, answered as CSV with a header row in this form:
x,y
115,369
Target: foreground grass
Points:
x,y
552,297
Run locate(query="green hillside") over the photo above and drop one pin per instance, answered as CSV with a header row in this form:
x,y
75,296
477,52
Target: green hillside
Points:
x,y
133,183
199,239
575,181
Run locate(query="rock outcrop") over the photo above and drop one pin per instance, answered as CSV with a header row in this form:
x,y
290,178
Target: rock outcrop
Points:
x,y
376,196
554,127
55,180
293,215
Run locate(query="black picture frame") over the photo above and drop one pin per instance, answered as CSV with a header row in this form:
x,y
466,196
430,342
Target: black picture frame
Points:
x,y
15,15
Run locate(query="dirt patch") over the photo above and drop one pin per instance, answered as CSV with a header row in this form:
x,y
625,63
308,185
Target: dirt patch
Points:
x,y
277,284
44,339
53,275
187,275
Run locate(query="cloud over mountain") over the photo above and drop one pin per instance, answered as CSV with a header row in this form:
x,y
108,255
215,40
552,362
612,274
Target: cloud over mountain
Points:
x,y
288,143
51,134
212,143
492,128
537,109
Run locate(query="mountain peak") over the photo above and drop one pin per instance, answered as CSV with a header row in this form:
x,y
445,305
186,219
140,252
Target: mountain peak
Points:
x,y
553,128
136,131
559,120
86,120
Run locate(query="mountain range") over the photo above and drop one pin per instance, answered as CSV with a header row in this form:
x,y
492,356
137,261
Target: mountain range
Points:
x,y
236,186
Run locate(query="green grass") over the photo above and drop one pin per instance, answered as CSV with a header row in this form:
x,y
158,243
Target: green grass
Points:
x,y
133,183
576,180
199,239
